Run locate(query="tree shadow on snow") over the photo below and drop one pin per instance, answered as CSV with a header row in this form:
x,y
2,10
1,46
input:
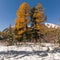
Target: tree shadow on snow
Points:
x,y
21,54
55,50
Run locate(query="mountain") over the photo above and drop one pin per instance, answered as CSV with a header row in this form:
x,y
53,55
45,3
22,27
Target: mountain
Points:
x,y
51,25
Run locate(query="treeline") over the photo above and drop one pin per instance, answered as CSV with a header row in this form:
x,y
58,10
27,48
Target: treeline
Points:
x,y
50,35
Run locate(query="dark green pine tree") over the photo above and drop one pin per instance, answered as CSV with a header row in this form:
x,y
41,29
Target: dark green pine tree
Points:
x,y
10,35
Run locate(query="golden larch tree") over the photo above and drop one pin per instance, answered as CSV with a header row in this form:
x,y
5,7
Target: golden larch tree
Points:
x,y
37,18
22,20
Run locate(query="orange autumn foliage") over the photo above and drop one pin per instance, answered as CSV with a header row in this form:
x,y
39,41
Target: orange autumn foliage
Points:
x,y
25,15
22,18
39,17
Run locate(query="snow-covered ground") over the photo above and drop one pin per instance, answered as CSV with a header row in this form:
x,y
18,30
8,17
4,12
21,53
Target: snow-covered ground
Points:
x,y
30,52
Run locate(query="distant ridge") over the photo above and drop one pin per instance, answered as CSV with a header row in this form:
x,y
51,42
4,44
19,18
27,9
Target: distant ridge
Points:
x,y
49,25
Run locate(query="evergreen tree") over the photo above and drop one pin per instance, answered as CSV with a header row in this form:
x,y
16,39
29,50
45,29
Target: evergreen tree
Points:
x,y
10,36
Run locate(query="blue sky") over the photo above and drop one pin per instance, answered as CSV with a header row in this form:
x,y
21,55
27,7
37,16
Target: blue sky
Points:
x,y
8,10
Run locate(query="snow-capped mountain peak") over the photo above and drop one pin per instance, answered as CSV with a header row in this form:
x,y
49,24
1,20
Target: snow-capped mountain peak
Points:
x,y
51,25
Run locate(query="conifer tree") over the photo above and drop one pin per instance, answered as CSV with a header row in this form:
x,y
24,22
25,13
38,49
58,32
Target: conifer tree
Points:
x,y
22,19
37,17
10,35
